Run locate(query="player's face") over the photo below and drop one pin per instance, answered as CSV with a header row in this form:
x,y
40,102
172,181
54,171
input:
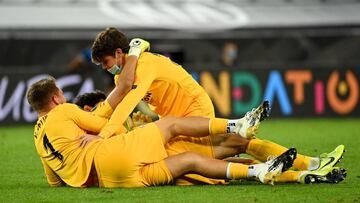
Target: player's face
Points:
x,y
108,62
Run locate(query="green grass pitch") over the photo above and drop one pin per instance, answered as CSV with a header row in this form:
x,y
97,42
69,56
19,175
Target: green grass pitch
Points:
x,y
22,178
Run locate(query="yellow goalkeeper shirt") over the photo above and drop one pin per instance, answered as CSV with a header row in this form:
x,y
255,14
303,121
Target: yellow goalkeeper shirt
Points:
x,y
161,83
56,137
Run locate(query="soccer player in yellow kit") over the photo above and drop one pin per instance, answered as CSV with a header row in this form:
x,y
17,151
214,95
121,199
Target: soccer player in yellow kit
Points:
x,y
172,91
161,83
135,159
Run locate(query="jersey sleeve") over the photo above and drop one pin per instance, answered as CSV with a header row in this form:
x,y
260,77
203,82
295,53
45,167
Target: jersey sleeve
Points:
x,y
145,75
52,178
103,109
86,120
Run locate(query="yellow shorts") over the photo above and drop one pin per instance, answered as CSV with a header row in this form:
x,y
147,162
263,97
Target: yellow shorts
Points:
x,y
202,106
134,159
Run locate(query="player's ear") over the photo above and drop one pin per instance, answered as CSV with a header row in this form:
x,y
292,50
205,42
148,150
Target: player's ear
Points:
x,y
55,98
88,108
58,98
118,51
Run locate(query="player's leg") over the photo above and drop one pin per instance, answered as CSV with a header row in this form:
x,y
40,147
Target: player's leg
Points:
x,y
324,175
197,126
188,126
182,143
224,145
193,162
203,145
327,175
201,127
190,162
262,149
228,145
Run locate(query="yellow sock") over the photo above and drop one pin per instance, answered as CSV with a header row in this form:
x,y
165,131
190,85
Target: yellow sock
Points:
x,y
236,171
301,162
217,126
289,176
262,149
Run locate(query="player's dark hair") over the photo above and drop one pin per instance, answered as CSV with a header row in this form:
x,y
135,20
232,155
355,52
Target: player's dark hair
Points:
x,y
106,42
39,94
90,99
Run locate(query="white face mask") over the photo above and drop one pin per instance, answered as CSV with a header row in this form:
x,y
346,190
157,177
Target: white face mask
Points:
x,y
115,69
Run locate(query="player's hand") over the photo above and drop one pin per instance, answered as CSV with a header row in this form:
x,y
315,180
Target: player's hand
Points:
x,y
129,124
138,46
87,138
139,119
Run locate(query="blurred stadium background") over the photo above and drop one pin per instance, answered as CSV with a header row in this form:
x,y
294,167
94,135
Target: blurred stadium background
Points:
x,y
303,55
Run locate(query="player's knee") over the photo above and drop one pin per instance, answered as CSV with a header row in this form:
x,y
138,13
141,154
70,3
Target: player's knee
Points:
x,y
192,159
166,126
171,125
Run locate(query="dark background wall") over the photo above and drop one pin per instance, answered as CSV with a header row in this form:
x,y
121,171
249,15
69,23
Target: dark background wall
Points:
x,y
264,55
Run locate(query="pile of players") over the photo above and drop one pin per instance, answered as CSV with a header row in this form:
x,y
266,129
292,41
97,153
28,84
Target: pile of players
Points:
x,y
95,143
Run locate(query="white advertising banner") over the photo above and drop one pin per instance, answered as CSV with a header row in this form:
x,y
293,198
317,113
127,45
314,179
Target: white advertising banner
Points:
x,y
197,15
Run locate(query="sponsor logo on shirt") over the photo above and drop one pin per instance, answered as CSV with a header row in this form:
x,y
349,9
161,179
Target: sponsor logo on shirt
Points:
x,y
147,97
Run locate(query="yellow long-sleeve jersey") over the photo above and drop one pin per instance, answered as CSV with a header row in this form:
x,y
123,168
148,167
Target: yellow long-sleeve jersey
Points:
x,y
56,137
166,86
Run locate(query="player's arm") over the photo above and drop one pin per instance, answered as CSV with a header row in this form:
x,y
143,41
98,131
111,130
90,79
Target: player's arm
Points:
x,y
106,108
52,178
125,79
94,121
145,76
123,86
103,109
84,119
